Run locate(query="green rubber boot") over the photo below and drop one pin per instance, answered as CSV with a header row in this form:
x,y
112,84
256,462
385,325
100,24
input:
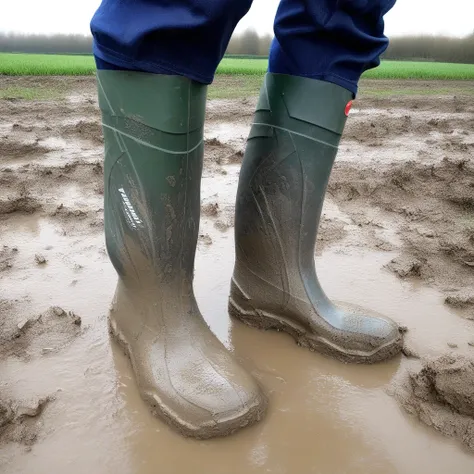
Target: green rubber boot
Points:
x,y
290,153
153,130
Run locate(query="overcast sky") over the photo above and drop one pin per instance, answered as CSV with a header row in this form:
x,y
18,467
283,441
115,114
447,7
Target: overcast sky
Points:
x,y
450,17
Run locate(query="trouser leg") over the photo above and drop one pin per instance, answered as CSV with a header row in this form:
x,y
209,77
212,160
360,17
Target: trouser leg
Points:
x,y
329,40
182,37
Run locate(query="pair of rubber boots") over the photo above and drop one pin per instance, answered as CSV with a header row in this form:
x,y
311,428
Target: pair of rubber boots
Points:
x,y
153,129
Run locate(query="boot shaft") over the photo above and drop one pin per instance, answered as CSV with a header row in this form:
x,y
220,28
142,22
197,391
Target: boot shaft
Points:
x,y
153,131
289,156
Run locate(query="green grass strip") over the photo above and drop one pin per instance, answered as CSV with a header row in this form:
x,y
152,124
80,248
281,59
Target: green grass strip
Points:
x,y
75,65
45,65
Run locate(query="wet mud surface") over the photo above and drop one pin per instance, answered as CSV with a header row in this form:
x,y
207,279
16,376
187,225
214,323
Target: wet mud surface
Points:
x,y
396,236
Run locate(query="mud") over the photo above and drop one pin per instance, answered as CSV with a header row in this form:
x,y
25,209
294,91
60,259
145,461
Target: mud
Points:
x,y
19,420
7,256
396,236
441,395
431,206
32,336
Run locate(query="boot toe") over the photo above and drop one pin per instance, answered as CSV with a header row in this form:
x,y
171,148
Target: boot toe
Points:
x,y
209,412
201,391
369,337
250,410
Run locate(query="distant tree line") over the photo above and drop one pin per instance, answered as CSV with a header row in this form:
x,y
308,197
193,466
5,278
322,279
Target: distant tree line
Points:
x,y
428,48
432,48
249,43
54,44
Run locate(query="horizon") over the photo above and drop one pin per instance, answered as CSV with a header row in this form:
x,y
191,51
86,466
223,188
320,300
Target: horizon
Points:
x,y
237,33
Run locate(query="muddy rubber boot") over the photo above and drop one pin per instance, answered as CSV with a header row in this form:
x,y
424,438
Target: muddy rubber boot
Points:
x,y
289,156
153,130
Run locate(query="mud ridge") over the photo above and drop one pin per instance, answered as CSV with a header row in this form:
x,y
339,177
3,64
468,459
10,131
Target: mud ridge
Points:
x,y
23,203
431,205
363,129
84,130
10,148
440,393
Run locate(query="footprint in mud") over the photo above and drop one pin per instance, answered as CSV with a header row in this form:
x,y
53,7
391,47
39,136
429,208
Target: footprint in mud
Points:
x,y
65,213
226,215
218,153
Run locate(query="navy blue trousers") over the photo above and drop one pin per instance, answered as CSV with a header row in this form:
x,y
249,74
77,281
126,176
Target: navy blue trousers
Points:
x,y
329,40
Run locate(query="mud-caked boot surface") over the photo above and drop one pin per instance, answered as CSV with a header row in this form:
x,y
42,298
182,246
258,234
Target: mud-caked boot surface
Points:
x,y
153,131
289,156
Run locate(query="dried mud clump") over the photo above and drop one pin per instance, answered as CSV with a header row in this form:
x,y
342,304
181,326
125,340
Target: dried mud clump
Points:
x,y
441,394
7,256
86,130
20,419
205,239
406,267
216,154
223,224
210,209
25,337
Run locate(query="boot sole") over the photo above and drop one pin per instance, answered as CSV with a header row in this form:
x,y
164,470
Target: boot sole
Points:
x,y
263,320
223,427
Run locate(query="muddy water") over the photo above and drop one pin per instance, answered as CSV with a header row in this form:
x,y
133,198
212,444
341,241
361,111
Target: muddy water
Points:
x,y
324,416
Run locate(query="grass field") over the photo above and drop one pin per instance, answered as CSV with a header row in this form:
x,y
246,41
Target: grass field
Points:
x,y
48,64
386,70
